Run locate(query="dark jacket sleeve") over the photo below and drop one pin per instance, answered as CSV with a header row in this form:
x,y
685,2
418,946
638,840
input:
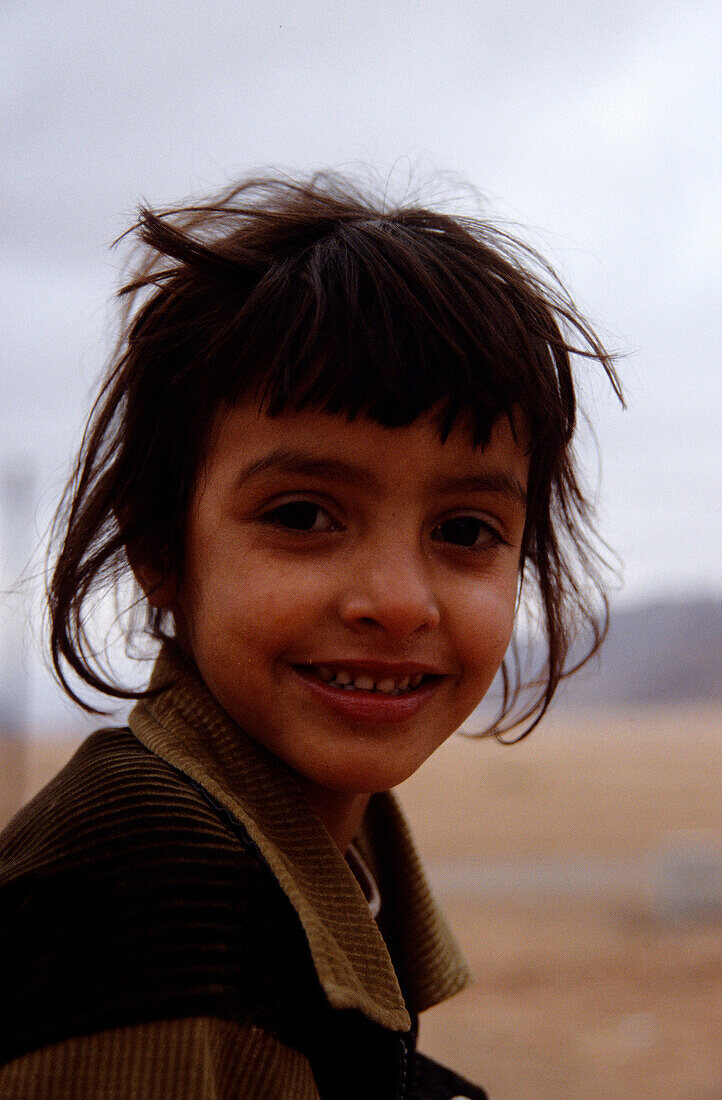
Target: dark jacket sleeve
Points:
x,y
121,902
192,1059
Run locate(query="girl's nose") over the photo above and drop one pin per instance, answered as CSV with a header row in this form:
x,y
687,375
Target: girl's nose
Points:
x,y
393,597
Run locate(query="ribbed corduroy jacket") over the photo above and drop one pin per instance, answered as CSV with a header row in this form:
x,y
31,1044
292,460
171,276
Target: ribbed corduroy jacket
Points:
x,y
175,922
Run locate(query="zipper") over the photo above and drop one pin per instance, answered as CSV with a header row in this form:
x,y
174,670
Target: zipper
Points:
x,y
402,1077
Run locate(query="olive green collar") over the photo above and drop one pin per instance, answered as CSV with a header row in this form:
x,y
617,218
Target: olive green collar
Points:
x,y
183,724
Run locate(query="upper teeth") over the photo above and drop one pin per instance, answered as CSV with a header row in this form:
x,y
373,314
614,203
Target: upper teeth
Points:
x,y
363,681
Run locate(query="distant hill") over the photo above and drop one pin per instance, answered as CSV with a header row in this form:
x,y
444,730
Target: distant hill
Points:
x,y
660,652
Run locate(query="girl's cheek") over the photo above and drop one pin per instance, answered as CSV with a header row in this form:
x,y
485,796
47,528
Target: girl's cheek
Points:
x,y
492,601
486,630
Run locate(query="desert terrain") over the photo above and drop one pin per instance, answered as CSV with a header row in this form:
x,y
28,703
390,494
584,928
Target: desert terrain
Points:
x,y
582,872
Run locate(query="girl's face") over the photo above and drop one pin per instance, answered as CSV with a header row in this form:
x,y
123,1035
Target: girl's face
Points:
x,y
349,590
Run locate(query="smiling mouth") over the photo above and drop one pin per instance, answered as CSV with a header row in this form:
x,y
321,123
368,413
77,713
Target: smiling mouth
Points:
x,y
365,683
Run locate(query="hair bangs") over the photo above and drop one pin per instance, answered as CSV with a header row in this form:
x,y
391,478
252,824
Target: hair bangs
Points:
x,y
382,322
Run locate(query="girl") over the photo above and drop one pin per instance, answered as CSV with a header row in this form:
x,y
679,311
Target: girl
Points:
x,y
334,452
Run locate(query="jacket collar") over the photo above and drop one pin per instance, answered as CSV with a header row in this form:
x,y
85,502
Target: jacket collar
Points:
x,y
181,722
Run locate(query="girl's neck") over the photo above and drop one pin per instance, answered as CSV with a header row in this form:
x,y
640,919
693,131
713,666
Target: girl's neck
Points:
x,y
341,812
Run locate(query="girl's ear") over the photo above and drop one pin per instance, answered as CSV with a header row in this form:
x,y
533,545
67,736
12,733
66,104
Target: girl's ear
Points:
x,y
159,585
160,588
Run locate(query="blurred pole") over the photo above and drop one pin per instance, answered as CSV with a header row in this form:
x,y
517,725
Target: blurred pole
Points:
x,y
16,517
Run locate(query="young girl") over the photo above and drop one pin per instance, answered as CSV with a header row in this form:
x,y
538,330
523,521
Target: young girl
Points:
x,y
334,451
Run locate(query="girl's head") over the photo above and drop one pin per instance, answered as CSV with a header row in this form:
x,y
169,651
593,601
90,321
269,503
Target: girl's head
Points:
x,y
311,298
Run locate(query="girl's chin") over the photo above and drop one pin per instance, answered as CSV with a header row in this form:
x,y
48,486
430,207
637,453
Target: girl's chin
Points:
x,y
359,777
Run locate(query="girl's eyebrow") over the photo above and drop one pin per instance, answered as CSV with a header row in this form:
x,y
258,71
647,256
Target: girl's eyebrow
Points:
x,y
492,481
293,461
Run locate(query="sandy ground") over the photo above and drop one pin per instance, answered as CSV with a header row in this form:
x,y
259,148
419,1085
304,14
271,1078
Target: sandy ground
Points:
x,y
582,873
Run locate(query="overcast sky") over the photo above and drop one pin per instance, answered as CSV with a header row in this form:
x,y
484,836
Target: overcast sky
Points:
x,y
593,124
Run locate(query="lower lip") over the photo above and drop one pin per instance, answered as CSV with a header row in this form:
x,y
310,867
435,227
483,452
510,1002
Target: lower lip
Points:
x,y
366,706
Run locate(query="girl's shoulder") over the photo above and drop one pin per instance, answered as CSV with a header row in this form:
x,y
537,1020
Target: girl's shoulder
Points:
x,y
125,896
113,799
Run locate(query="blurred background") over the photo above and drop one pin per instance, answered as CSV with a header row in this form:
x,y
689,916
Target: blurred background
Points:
x,y
583,867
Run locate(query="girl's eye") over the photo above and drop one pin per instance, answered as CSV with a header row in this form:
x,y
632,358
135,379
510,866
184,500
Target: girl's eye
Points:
x,y
300,515
466,531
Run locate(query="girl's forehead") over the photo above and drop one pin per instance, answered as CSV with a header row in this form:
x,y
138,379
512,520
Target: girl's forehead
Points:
x,y
308,441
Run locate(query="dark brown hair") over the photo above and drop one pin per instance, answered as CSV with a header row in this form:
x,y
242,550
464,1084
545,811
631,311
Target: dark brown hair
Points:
x,y
313,295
